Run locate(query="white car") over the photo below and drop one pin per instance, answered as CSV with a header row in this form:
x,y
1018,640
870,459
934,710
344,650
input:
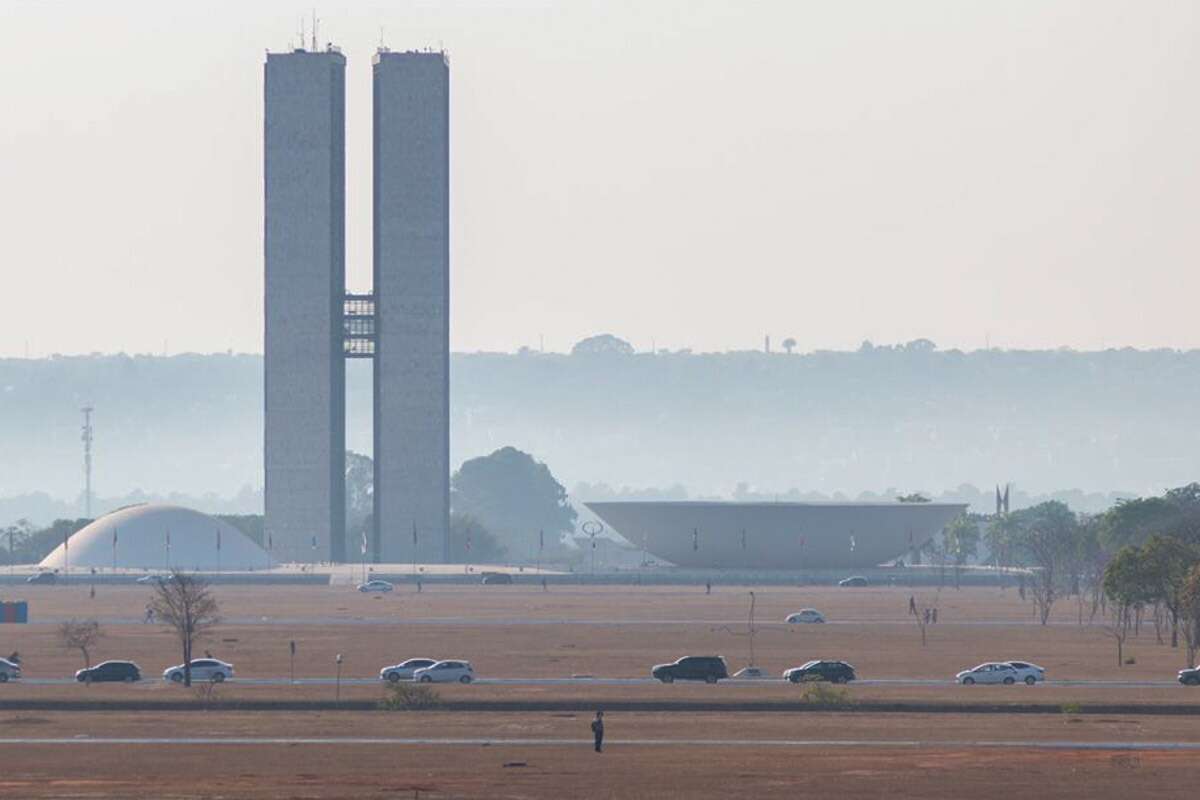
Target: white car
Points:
x,y
751,673
9,670
805,615
405,669
203,669
446,672
991,672
1030,673
376,585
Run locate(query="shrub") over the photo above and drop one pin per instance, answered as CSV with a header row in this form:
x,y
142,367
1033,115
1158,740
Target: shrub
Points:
x,y
1071,708
822,694
410,697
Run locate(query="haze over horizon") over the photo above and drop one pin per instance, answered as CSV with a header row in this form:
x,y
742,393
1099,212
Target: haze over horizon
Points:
x,y
684,174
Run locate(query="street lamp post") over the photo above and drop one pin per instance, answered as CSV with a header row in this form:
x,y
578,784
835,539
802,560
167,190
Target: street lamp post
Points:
x,y
338,690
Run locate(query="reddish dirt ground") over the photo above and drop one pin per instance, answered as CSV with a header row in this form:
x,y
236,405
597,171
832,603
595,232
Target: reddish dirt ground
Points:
x,y
499,639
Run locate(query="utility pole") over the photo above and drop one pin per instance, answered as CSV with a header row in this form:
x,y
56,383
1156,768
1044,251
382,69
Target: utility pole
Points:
x,y
87,461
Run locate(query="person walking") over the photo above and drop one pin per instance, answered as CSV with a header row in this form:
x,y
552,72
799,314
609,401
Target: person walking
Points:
x,y
598,731
912,605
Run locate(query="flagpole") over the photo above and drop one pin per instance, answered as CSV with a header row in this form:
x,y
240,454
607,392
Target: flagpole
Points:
x,y
414,548
114,569
218,550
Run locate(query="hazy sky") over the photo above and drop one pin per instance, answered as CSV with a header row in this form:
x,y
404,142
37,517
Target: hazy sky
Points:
x,y
695,174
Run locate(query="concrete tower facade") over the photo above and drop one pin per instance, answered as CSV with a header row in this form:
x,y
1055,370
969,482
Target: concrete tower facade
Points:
x,y
412,297
304,249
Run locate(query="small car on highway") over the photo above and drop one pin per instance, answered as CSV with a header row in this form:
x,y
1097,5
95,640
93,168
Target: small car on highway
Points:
x,y
447,671
9,670
405,669
709,669
110,672
42,578
751,674
990,672
805,615
497,579
1190,677
832,671
1027,672
853,580
376,585
203,669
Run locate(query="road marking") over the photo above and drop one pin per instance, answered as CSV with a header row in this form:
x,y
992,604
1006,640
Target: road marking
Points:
x,y
542,742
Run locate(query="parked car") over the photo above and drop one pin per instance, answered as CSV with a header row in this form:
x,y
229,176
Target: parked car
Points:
x,y
405,669
376,585
854,580
1190,677
805,615
497,579
42,578
1030,673
110,672
203,669
9,670
446,672
148,579
832,671
990,672
709,669
751,673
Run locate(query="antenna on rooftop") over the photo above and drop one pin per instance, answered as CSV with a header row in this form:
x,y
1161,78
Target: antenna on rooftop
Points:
x,y
314,31
302,36
87,460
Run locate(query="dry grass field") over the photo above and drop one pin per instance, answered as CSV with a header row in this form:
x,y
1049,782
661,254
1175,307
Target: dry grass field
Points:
x,y
523,632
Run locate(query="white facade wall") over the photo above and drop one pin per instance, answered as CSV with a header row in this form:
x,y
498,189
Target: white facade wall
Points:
x,y
304,249
412,291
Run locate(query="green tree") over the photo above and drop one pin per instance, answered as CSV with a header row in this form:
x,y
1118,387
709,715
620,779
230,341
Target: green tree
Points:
x,y
1000,537
1046,536
604,344
1125,587
1176,513
514,497
1166,564
1189,613
960,541
471,542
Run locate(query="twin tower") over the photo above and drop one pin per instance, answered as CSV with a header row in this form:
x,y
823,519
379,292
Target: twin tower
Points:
x,y
313,325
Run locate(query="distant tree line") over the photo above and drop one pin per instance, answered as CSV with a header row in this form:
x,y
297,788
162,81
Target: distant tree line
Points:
x,y
1137,563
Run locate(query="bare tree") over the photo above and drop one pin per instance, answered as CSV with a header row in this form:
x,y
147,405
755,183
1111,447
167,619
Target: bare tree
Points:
x,y
185,604
81,635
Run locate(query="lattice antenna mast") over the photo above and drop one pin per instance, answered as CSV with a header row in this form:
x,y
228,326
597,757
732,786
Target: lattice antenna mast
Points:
x,y
88,435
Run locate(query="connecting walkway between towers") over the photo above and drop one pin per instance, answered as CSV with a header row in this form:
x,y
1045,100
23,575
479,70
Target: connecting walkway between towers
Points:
x,y
358,326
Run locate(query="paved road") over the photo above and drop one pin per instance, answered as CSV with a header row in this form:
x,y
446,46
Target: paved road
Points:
x,y
932,744
885,682
400,619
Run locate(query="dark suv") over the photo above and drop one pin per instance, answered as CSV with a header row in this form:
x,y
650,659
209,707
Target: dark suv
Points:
x,y
709,669
832,671
1190,677
110,672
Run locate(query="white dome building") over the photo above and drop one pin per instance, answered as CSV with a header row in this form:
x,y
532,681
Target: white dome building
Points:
x,y
158,537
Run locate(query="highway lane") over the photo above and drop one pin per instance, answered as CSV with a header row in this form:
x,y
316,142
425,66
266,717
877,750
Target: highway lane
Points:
x,y
599,681
931,744
400,619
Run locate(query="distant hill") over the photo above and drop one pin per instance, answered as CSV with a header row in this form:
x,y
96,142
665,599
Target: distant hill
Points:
x,y
906,417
